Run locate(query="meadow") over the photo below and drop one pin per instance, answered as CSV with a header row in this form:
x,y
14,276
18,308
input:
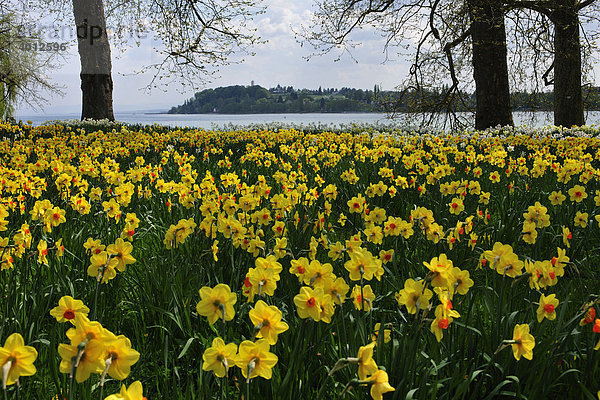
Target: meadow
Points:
x,y
147,261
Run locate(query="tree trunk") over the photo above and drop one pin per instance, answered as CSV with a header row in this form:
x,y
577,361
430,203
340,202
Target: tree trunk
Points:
x,y
94,53
568,100
490,68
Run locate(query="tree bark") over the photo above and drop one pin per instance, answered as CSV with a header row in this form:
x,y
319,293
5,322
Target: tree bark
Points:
x,y
568,100
490,68
94,53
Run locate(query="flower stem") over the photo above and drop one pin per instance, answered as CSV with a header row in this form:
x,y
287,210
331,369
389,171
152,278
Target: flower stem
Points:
x,y
362,296
71,386
93,316
222,306
234,272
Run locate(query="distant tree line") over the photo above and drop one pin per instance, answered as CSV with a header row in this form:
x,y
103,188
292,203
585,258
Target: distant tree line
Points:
x,y
285,99
258,100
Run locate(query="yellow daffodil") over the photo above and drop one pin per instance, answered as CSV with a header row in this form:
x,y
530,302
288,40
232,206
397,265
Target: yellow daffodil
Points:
x,y
16,360
557,198
119,356
456,206
68,308
337,288
379,384
121,252
135,391
267,321
42,249
547,307
254,359
387,334
90,359
362,265
363,298
216,303
524,342
577,193
102,267
366,364
414,296
219,357
308,302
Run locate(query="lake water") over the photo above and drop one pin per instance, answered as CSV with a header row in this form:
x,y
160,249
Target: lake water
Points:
x,y
211,121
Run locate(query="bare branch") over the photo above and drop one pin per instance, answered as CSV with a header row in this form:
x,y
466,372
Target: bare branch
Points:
x,y
545,75
585,3
530,5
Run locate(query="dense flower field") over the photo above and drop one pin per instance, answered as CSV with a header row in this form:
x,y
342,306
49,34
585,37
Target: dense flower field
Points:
x,y
183,264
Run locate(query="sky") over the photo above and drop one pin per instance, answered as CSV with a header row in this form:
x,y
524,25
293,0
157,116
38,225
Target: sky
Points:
x,y
280,61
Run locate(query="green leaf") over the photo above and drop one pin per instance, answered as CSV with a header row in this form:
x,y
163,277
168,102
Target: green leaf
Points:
x,y
185,348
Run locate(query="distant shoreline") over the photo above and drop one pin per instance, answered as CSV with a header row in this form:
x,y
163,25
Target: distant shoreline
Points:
x,y
534,110
279,113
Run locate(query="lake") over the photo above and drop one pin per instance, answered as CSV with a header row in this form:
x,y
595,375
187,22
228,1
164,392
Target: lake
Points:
x,y
212,121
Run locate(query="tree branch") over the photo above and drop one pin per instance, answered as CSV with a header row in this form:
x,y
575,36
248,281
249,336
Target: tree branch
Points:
x,y
530,5
209,25
448,50
361,17
434,30
585,3
545,76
